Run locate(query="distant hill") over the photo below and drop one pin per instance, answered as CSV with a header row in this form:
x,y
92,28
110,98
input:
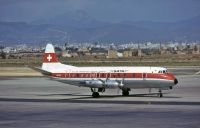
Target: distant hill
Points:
x,y
84,28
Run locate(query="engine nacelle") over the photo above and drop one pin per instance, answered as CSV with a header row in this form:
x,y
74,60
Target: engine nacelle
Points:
x,y
102,84
94,83
111,84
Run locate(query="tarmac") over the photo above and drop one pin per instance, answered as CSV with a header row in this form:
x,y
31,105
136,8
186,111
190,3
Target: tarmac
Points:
x,y
38,102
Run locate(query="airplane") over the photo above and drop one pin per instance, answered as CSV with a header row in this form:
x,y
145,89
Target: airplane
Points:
x,y
98,79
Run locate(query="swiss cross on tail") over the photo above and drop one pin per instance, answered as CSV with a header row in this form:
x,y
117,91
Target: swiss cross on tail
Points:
x,y
50,55
50,58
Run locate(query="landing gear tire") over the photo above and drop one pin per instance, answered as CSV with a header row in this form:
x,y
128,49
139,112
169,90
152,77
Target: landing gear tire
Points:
x,y
95,94
125,93
160,93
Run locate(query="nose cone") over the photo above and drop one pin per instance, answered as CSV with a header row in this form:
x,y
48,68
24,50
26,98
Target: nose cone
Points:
x,y
170,76
175,81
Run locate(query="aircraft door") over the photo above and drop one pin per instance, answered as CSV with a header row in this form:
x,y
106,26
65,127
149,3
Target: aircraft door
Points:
x,y
66,75
98,75
144,76
108,75
93,75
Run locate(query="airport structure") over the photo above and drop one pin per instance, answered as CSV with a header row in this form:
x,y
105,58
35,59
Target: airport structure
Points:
x,y
108,51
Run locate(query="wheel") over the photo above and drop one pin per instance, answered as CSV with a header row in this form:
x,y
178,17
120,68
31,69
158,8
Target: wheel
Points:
x,y
95,94
160,95
125,93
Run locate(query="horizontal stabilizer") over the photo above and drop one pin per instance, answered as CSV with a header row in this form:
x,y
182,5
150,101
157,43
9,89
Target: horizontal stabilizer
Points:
x,y
46,73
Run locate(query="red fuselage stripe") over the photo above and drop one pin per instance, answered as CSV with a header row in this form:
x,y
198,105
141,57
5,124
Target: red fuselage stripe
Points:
x,y
166,76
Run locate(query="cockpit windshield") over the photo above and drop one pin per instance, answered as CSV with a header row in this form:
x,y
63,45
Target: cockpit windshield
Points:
x,y
163,71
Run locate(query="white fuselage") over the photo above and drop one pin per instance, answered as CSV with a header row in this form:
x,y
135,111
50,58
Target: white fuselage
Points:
x,y
111,77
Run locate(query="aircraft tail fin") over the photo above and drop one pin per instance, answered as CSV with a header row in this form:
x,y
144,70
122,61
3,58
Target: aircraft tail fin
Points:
x,y
51,63
50,56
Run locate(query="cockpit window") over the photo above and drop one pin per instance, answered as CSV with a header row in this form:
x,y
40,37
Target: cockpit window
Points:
x,y
162,71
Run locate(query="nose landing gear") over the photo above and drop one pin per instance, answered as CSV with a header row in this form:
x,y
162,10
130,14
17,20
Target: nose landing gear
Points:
x,y
160,94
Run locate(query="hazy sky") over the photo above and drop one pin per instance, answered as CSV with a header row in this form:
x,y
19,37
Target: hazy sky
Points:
x,y
105,10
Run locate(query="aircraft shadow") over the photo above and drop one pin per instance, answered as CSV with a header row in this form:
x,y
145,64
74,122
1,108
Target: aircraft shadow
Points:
x,y
111,96
7,78
97,101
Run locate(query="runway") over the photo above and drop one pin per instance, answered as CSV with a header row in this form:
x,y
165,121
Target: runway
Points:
x,y
39,102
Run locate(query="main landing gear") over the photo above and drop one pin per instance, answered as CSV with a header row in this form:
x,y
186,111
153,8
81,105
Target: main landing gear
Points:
x,y
160,93
95,94
125,92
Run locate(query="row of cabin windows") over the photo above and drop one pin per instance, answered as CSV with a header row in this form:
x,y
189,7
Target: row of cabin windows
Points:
x,y
102,75
108,75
